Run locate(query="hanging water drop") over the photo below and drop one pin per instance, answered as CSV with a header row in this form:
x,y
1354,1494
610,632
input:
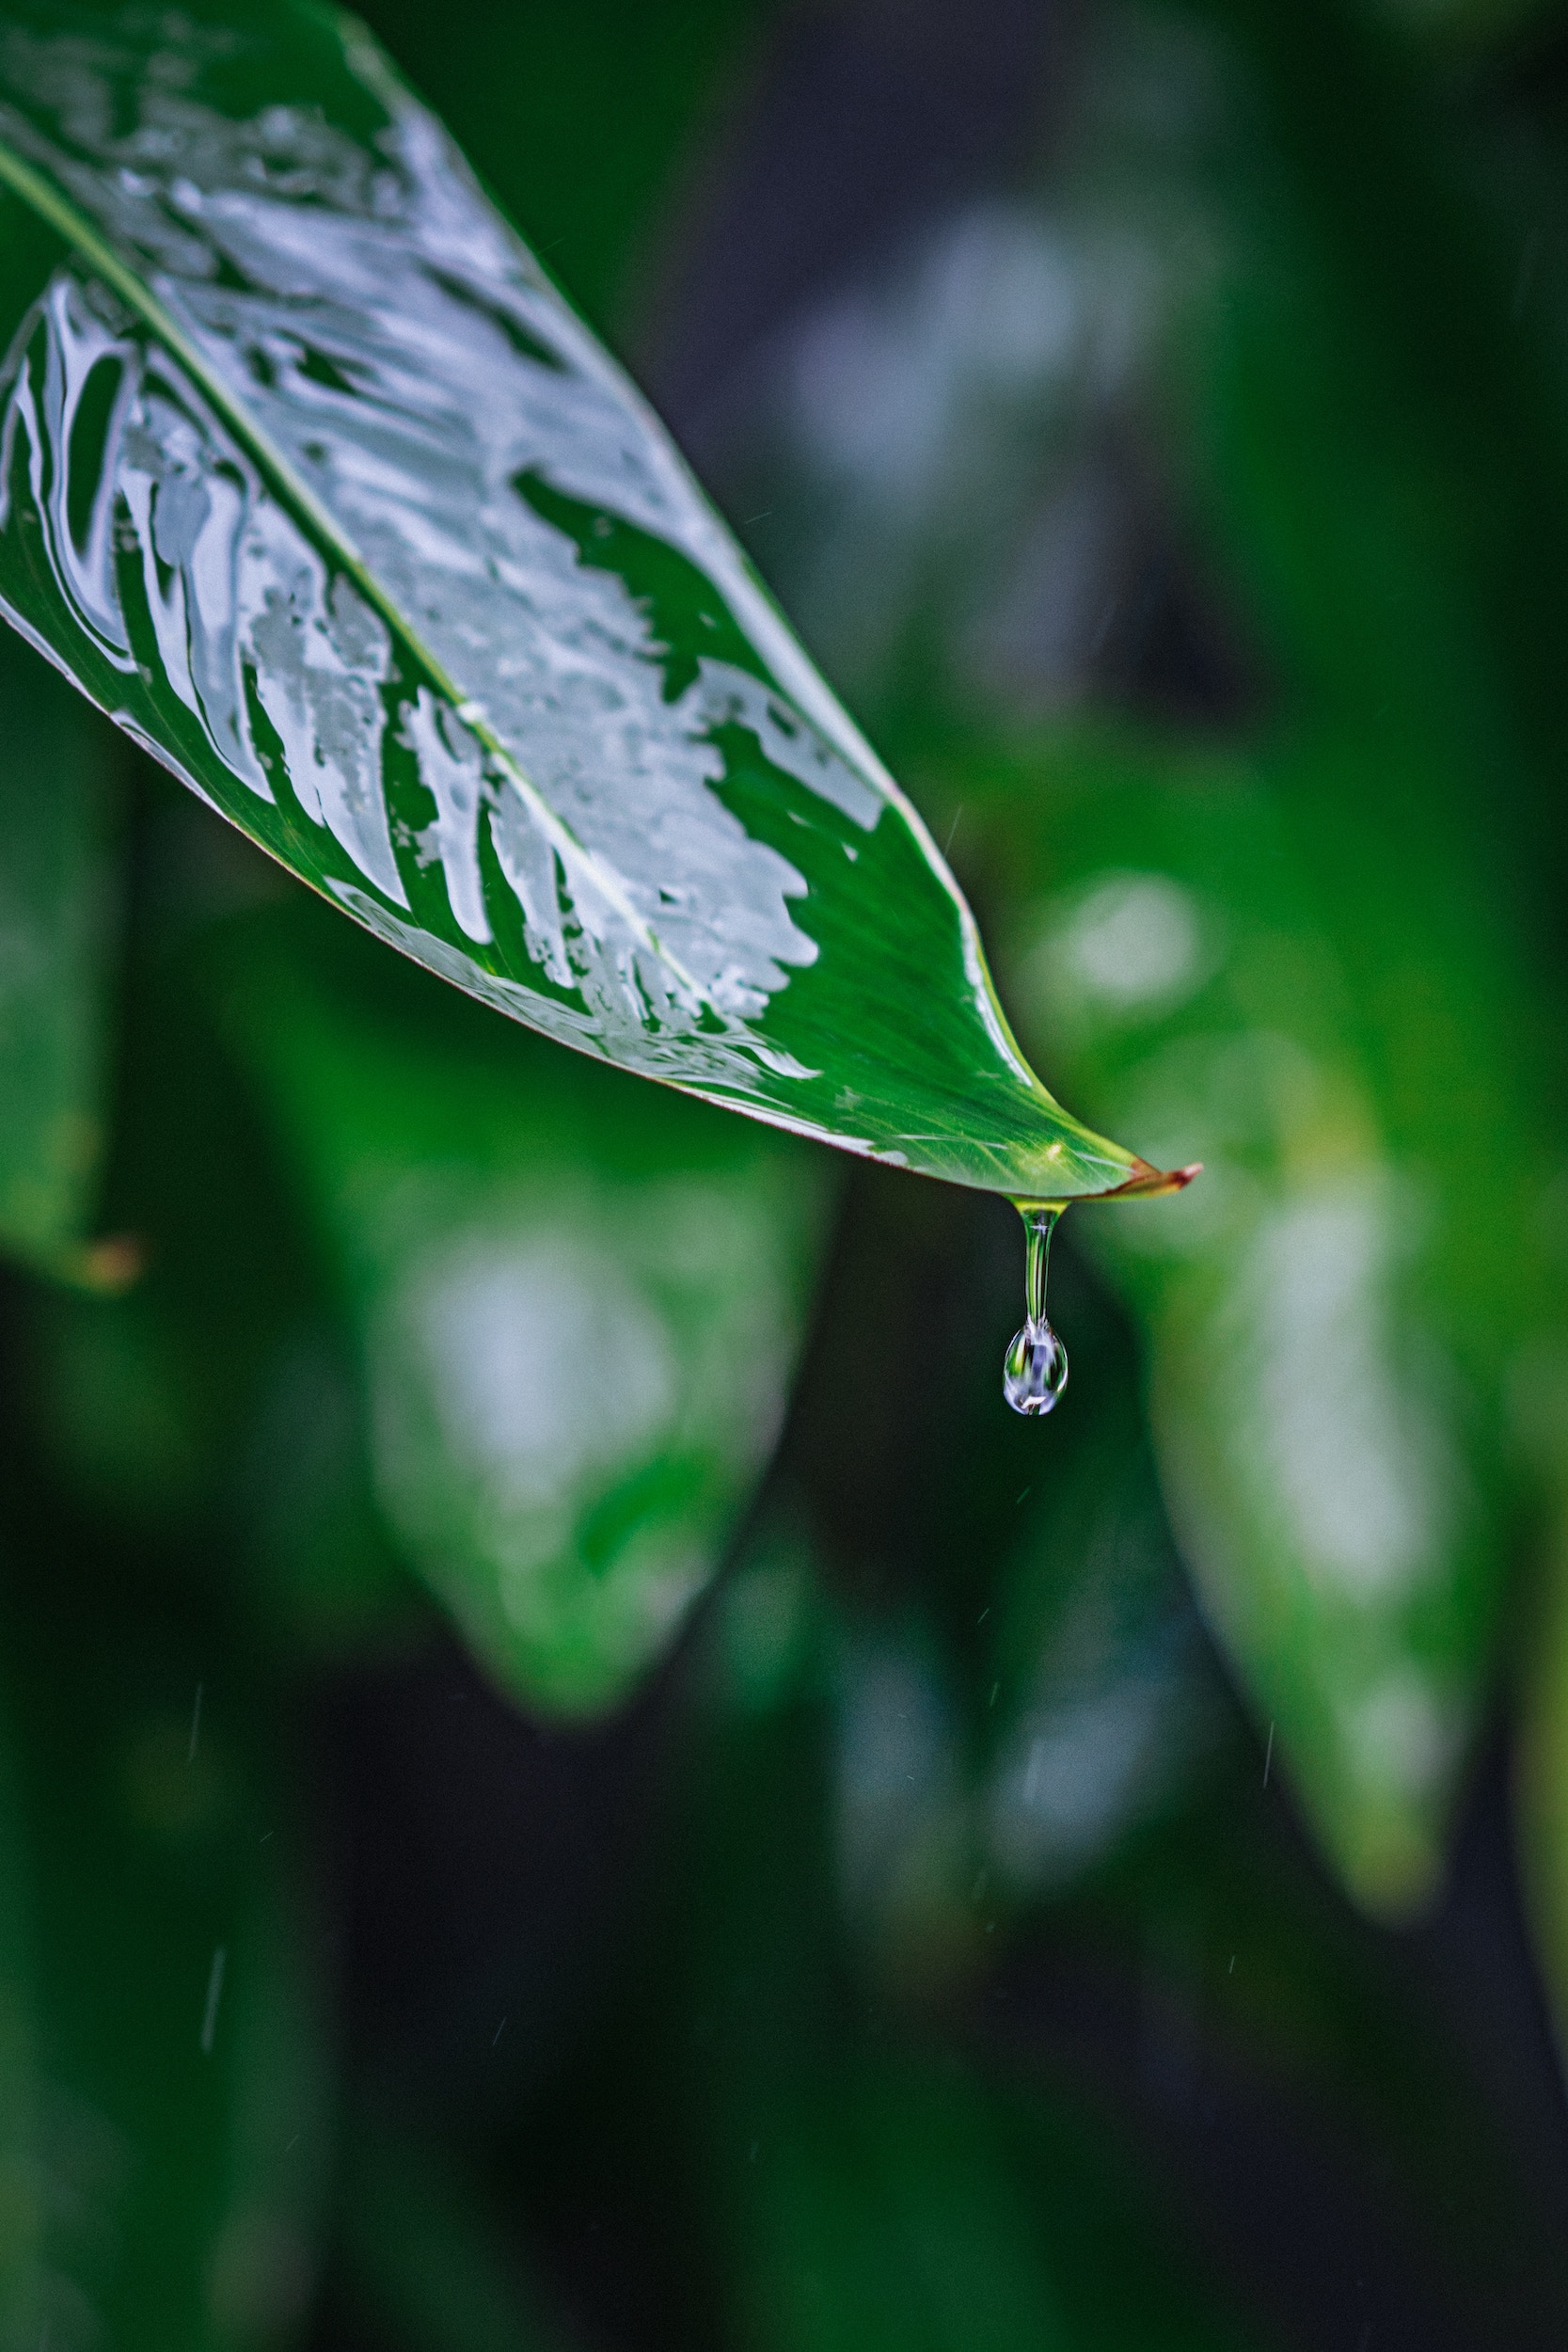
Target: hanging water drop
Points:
x,y
1033,1371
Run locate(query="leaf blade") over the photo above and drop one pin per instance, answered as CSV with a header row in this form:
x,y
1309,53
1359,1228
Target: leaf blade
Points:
x,y
314,579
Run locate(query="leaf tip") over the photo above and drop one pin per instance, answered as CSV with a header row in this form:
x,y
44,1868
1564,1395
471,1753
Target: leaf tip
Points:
x,y
1148,1182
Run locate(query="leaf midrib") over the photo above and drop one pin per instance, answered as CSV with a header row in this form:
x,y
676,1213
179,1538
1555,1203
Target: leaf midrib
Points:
x,y
53,206
37,191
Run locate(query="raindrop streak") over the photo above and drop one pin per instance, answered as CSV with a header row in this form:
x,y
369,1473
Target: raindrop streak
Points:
x,y
1033,1370
214,1994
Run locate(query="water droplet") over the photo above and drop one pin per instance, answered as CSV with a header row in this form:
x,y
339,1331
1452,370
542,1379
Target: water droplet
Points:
x,y
1033,1371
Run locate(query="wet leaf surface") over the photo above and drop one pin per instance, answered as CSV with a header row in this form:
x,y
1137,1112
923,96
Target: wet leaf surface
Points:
x,y
311,477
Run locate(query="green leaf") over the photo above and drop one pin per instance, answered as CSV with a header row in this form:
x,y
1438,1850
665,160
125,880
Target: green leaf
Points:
x,y
1328,1338
578,1328
215,1400
53,935
312,480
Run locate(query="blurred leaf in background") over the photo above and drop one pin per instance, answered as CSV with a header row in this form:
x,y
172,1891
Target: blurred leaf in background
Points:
x,y
1335,1362
579,1317
588,123
57,954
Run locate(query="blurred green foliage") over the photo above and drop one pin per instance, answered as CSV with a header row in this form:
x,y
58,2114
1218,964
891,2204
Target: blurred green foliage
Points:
x,y
1252,363
577,1321
1264,364
57,946
587,123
